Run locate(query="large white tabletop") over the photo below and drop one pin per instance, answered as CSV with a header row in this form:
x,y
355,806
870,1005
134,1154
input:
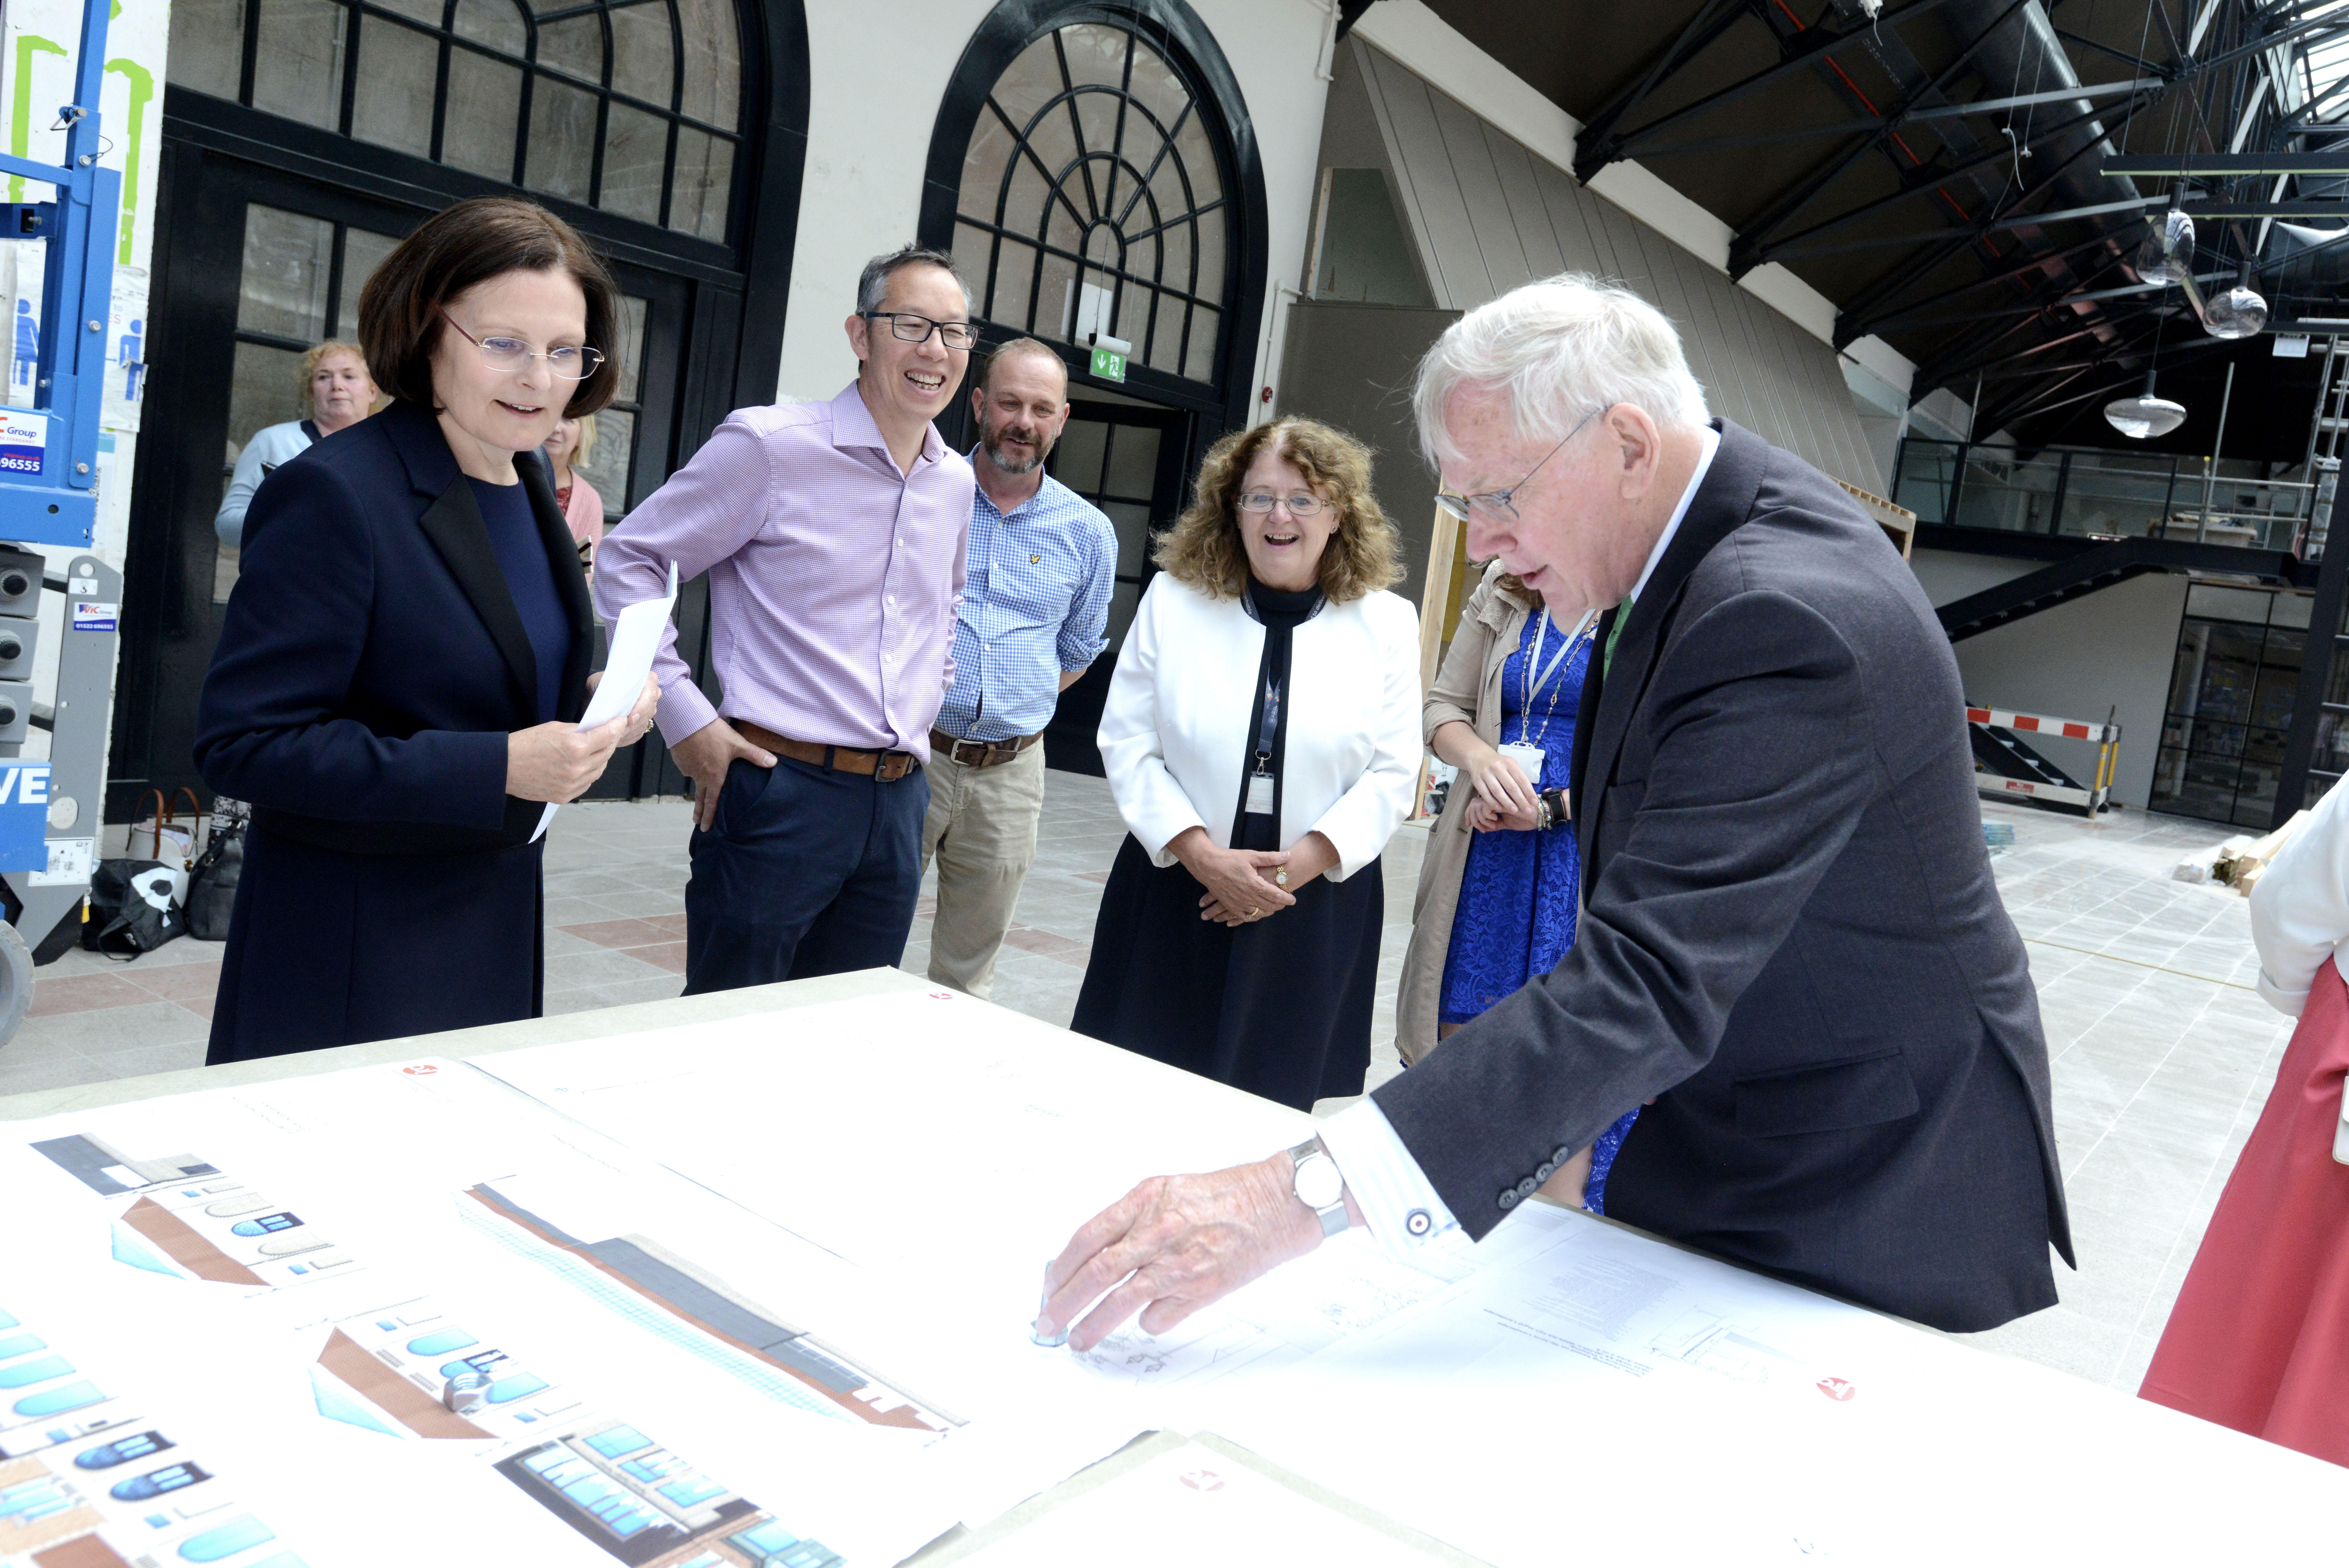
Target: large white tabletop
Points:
x,y
899,1162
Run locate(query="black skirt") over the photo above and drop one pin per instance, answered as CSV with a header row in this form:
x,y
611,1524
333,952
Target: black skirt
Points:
x,y
332,949
1279,1007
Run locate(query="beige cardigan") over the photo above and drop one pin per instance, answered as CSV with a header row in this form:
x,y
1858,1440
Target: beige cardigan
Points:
x,y
1468,689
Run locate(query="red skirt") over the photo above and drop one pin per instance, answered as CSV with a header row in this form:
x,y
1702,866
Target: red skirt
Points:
x,y
2259,1338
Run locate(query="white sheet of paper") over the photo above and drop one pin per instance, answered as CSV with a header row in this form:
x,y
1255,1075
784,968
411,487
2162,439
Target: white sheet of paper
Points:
x,y
1192,1505
636,638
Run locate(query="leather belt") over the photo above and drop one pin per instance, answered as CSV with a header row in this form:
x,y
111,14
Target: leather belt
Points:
x,y
889,767
980,753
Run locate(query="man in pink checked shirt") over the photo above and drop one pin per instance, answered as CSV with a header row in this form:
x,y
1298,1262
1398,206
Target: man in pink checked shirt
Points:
x,y
832,534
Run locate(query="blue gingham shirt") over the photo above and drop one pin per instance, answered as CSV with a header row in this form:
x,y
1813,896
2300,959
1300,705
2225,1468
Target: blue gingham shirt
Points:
x,y
1035,603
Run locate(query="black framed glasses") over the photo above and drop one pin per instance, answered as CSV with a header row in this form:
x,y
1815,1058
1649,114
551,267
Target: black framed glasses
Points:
x,y
1502,502
907,328
510,353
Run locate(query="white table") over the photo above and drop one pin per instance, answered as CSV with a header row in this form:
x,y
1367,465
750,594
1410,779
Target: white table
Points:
x,y
1948,1452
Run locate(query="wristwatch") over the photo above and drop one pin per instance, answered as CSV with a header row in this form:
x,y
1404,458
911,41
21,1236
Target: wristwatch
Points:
x,y
1319,1186
1551,809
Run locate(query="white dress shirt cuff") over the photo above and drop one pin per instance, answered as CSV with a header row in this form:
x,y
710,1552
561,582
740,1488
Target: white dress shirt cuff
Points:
x,y
2291,1003
1402,1212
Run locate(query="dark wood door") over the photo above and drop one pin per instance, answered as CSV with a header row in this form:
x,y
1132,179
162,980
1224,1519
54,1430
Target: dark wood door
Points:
x,y
1133,462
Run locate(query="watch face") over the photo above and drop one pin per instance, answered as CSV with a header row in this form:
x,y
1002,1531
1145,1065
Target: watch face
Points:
x,y
1318,1184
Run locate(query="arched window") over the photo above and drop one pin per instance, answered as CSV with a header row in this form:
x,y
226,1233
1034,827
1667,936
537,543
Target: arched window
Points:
x,y
1095,197
630,106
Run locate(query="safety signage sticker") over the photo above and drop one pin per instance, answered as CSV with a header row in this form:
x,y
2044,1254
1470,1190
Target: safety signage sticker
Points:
x,y
93,615
70,863
24,442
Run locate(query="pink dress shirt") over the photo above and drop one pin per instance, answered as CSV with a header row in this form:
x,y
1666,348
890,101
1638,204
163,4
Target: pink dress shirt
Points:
x,y
832,577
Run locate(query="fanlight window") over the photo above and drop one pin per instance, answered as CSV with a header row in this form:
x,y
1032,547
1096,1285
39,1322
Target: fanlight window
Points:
x,y
1092,201
631,106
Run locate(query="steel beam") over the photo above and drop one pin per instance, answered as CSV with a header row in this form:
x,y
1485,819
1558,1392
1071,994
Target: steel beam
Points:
x,y
2295,207
1851,326
1749,239
1771,252
1605,150
2225,165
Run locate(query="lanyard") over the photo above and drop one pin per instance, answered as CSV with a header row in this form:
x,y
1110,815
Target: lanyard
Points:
x,y
1535,683
1270,725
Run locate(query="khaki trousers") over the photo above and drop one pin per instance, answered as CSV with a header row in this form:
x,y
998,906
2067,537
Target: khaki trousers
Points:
x,y
981,830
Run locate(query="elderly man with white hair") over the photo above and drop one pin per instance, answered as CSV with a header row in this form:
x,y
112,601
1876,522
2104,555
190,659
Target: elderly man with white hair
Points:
x,y
1791,945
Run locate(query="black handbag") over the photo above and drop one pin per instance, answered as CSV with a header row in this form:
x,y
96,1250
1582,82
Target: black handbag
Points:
x,y
212,885
130,909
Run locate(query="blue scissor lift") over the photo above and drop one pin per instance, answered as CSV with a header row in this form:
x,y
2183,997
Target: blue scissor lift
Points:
x,y
51,811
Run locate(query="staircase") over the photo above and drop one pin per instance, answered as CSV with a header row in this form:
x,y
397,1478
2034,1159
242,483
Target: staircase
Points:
x,y
2101,567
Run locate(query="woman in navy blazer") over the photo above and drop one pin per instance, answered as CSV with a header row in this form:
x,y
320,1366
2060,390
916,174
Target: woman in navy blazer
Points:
x,y
404,660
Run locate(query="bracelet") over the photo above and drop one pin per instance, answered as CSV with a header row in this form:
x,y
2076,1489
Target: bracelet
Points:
x,y
1553,808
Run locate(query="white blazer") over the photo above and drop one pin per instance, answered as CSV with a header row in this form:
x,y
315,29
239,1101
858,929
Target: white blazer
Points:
x,y
2300,911
1174,731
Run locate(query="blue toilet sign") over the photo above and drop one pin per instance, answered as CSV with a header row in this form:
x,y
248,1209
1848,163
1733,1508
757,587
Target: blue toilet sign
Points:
x,y
23,815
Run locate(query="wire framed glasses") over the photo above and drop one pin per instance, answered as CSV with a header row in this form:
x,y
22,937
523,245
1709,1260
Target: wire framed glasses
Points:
x,y
511,353
1503,502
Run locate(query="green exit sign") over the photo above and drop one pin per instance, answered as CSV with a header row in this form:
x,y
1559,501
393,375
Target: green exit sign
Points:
x,y
1109,363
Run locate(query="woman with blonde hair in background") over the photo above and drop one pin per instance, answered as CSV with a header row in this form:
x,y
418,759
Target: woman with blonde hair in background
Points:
x,y
571,448
1261,739
338,393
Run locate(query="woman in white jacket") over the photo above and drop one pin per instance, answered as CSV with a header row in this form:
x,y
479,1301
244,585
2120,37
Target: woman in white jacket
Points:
x,y
1261,737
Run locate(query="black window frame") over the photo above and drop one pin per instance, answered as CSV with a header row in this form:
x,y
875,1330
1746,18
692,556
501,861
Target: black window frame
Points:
x,y
1187,45
363,15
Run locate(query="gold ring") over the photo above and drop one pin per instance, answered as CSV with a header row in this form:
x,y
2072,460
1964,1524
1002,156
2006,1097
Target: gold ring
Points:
x,y
1253,914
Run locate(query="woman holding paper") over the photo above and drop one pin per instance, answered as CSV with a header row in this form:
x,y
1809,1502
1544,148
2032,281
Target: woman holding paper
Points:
x,y
1500,888
403,665
1260,737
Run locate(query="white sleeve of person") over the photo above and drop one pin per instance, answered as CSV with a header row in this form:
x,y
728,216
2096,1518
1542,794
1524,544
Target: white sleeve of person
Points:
x,y
2300,909
1403,1211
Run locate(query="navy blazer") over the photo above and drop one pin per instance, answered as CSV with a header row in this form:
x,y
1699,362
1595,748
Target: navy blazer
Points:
x,y
1791,937
372,662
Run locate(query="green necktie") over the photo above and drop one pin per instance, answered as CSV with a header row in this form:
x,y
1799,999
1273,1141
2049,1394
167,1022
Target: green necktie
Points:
x,y
1614,633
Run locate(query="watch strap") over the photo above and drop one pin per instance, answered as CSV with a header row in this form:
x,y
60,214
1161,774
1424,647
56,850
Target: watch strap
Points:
x,y
1334,1217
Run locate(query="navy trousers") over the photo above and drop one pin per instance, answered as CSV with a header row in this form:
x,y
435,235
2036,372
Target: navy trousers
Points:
x,y
804,871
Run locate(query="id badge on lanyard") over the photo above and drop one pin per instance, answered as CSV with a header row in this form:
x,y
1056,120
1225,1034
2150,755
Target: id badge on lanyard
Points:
x,y
1260,785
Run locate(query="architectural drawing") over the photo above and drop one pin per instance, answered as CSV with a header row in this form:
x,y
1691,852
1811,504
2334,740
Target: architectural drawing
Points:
x,y
91,1480
705,1304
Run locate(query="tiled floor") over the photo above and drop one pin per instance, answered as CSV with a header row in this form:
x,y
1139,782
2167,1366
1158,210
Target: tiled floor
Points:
x,y
2162,1054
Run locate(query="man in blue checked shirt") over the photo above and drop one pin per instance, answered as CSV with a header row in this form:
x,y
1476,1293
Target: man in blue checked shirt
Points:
x,y
1034,610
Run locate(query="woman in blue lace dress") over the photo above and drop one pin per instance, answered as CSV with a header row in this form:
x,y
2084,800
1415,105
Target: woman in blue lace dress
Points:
x,y
1503,711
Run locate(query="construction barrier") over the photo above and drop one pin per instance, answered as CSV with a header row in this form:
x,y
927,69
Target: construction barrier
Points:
x,y
2057,788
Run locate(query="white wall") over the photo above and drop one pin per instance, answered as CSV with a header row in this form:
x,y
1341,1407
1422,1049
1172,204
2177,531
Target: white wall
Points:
x,y
2076,661
871,119
1948,575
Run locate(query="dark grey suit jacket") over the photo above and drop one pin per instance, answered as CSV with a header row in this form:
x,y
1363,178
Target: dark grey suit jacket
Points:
x,y
1791,937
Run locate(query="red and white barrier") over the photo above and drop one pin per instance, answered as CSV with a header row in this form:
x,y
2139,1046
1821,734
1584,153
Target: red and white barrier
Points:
x,y
2040,724
2107,740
